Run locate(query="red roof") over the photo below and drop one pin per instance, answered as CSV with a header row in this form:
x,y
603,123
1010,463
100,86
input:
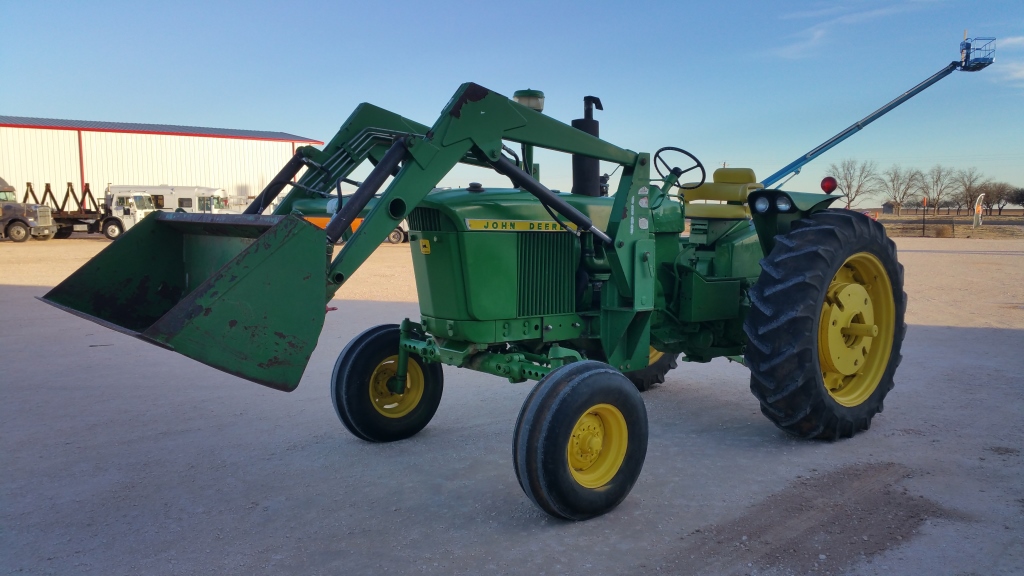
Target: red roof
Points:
x,y
164,129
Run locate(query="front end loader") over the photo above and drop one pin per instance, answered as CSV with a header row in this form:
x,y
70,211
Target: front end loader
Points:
x,y
594,295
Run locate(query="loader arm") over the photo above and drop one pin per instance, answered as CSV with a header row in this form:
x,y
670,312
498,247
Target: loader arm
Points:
x,y
245,293
365,135
472,125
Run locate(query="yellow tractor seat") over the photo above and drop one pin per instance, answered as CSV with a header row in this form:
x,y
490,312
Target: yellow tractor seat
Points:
x,y
727,185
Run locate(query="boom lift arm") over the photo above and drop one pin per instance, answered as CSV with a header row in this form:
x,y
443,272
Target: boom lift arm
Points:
x,y
973,57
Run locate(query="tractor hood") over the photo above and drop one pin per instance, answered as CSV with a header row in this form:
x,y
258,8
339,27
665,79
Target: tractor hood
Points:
x,y
508,209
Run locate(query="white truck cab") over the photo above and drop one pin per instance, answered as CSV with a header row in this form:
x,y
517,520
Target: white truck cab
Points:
x,y
125,208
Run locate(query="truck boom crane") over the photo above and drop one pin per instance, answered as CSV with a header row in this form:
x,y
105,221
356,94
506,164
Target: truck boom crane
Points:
x,y
973,57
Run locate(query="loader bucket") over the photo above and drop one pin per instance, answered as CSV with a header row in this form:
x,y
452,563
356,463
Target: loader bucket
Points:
x,y
244,294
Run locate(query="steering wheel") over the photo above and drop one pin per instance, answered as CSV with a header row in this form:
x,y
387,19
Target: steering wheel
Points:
x,y
668,169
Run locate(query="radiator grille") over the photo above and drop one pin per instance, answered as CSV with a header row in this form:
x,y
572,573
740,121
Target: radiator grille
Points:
x,y
425,220
546,273
44,217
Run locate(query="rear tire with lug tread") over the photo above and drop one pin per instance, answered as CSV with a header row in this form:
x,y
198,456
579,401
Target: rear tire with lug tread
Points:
x,y
826,325
580,440
361,399
658,366
64,233
18,232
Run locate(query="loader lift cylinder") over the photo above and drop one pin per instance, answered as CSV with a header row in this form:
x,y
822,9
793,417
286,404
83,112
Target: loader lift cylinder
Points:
x,y
297,161
526,182
361,197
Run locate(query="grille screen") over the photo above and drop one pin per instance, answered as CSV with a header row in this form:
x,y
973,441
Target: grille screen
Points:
x,y
546,273
425,220
45,219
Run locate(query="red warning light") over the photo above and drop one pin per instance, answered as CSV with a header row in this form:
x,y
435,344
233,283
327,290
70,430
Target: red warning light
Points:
x,y
829,184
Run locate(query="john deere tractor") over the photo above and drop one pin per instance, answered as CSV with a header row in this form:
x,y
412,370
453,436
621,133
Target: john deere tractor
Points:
x,y
595,294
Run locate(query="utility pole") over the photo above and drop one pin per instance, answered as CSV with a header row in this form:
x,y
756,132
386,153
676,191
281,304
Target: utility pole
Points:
x,y
924,214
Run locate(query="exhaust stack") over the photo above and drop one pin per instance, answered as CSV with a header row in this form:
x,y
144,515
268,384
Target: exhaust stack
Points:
x,y
586,171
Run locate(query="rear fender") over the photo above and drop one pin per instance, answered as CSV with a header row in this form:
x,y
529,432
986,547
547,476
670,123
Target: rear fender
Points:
x,y
773,221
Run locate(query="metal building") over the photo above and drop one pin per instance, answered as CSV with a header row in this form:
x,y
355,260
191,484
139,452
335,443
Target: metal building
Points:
x,y
44,151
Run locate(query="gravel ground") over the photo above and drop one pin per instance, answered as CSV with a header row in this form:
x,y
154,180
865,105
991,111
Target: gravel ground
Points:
x,y
117,457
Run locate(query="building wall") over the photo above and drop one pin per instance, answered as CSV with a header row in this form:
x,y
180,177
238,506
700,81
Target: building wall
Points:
x,y
40,155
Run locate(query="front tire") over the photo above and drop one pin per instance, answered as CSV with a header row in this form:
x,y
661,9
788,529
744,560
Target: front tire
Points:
x,y
359,390
112,229
826,325
18,232
396,236
580,440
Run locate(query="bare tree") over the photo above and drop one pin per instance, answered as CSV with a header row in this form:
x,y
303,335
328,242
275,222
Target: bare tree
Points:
x,y
936,185
913,202
988,201
966,183
1018,197
898,185
1002,193
957,202
856,179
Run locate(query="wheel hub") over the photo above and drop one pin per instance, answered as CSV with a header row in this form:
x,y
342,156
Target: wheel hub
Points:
x,y
597,445
849,323
856,329
654,355
587,441
387,402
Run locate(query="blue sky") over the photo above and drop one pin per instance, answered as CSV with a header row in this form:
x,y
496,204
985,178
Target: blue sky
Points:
x,y
748,83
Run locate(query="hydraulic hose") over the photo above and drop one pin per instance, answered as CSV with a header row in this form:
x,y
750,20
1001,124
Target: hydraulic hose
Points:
x,y
547,197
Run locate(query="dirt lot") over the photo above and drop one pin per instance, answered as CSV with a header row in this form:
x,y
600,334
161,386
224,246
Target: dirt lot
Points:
x,y
117,457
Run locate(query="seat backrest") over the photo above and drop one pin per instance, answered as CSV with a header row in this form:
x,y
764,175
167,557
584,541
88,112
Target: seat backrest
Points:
x,y
728,185
734,176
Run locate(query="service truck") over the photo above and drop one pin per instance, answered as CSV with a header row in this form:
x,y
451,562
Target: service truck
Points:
x,y
118,211
191,199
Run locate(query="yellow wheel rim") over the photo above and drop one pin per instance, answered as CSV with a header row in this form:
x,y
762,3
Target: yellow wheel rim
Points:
x,y
654,356
856,329
387,402
597,445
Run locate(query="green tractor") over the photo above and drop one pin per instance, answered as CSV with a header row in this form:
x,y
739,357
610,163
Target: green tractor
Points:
x,y
594,295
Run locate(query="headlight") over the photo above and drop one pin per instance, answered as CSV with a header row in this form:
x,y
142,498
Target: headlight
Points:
x,y
783,203
761,204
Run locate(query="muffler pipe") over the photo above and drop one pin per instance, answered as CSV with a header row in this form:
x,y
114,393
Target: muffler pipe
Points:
x,y
528,183
347,214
